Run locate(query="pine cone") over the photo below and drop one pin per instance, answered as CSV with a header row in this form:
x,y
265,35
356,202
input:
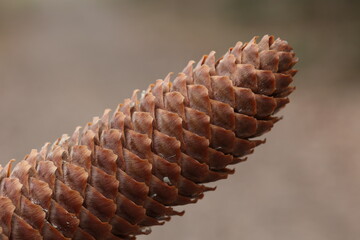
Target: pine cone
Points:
x,y
123,173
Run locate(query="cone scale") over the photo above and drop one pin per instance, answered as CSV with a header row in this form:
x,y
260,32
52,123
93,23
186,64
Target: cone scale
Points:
x,y
124,172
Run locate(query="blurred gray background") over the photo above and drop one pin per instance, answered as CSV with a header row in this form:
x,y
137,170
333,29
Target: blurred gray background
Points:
x,y
63,62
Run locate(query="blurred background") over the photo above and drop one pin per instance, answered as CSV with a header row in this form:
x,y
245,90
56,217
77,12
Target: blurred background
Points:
x,y
63,62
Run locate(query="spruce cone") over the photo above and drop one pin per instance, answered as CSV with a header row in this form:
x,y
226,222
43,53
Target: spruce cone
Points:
x,y
123,173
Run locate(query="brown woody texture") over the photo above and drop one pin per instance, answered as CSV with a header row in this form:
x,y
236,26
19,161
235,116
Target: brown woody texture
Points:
x,y
125,171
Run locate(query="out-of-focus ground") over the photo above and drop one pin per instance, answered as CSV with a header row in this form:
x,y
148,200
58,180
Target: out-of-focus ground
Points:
x,y
63,62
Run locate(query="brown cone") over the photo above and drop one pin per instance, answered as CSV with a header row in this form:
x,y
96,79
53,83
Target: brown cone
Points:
x,y
123,172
